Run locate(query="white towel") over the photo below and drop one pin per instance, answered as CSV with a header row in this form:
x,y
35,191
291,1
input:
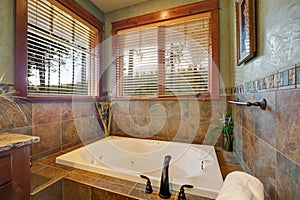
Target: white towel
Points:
x,y
241,186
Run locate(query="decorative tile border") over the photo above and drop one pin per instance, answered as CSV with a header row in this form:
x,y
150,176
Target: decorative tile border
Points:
x,y
282,79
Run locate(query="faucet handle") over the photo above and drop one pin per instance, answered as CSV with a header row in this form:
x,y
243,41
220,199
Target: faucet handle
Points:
x,y
148,188
181,195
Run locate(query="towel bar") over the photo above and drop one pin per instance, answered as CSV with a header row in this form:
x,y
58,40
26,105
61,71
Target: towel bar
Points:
x,y
262,103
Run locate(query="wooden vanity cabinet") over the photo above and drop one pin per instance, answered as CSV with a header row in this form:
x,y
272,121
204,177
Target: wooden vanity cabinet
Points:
x,y
15,174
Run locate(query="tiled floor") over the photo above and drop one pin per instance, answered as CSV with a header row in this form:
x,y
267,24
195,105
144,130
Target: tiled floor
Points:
x,y
53,181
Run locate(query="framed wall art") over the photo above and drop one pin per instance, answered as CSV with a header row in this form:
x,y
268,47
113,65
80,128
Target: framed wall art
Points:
x,y
245,30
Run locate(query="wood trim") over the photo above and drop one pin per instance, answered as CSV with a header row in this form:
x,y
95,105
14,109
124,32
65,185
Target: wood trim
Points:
x,y
21,59
20,171
215,70
161,60
211,6
202,98
5,166
114,66
81,12
172,13
44,97
101,65
20,75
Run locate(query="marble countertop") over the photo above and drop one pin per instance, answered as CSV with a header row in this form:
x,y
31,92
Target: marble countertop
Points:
x,y
12,140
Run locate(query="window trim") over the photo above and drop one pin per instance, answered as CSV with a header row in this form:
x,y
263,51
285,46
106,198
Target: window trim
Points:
x,y
20,75
211,6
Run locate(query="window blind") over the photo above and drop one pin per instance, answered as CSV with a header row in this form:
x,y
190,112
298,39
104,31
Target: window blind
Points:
x,y
170,58
62,52
138,60
187,57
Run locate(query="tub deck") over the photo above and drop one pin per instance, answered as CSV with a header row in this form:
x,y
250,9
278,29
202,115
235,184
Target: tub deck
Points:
x,y
146,157
51,179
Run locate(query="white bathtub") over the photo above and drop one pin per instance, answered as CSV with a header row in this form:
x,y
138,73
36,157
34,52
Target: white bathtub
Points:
x,y
127,158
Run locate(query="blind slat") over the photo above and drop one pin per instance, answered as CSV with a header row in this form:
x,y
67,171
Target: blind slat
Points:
x,y
61,52
181,50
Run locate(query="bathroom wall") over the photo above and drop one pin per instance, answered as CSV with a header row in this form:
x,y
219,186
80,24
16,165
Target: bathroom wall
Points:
x,y
7,40
192,121
92,8
154,6
189,121
59,124
267,142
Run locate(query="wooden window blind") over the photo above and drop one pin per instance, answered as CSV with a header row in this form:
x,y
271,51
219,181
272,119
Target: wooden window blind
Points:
x,y
62,52
138,61
168,58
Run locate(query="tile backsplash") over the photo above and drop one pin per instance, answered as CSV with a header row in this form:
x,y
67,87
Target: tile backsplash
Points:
x,y
59,124
267,141
189,121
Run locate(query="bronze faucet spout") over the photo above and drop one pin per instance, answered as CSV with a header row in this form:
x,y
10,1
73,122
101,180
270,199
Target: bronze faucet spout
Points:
x,y
164,191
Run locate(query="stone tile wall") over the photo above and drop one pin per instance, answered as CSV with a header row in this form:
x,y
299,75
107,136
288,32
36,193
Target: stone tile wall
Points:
x,y
59,124
62,124
267,141
189,121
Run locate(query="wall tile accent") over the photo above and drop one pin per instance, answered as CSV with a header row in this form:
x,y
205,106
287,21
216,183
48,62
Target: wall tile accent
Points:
x,y
287,78
298,76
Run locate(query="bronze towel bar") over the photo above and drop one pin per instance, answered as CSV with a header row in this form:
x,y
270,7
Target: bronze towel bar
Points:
x,y
262,103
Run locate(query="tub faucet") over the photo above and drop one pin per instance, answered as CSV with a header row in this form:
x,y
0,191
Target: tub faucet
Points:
x,y
164,191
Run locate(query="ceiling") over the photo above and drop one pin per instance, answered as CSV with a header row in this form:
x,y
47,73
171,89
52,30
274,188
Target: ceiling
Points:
x,y
109,5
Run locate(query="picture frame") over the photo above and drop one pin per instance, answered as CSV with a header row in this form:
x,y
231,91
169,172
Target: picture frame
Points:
x,y
245,30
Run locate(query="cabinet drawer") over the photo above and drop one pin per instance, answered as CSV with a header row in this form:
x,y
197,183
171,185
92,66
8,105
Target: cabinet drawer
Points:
x,y
6,191
5,169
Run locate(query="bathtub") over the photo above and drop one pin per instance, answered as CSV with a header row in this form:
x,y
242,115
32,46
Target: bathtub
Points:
x,y
128,158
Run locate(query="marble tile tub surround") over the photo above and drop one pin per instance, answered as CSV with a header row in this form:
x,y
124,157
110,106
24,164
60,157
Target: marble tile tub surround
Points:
x,y
59,124
62,124
190,121
70,123
267,142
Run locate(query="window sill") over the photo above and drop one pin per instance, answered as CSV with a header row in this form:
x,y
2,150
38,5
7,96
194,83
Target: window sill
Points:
x,y
53,97
200,98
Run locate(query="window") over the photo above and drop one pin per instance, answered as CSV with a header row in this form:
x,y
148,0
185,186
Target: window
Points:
x,y
62,51
173,57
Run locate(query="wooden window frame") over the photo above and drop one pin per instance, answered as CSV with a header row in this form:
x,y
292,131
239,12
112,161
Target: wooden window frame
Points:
x,y
20,75
211,6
